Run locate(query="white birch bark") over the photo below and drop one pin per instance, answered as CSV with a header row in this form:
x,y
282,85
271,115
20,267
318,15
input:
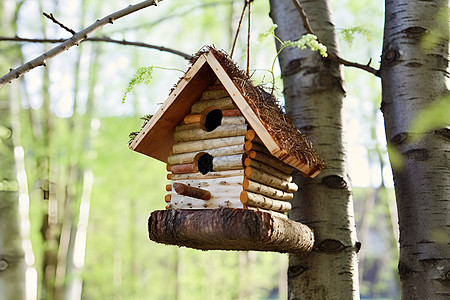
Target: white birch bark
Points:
x,y
413,78
313,90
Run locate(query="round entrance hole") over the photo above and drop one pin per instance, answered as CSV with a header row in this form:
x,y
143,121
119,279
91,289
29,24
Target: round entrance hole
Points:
x,y
211,119
204,162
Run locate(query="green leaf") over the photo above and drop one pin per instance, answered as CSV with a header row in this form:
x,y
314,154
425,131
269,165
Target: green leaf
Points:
x,y
434,116
143,75
348,34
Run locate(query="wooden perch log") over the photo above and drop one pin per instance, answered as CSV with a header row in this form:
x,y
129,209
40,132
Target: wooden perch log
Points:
x,y
183,168
201,145
200,134
252,199
223,103
265,190
270,180
271,161
230,229
248,162
190,191
209,175
185,158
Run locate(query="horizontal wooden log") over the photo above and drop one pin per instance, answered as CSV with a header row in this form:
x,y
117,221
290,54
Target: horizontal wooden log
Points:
x,y
248,162
190,119
223,103
190,191
252,146
251,136
214,94
189,157
169,176
231,112
201,145
230,162
230,229
271,161
234,120
258,188
167,198
258,200
168,187
183,168
270,180
200,134
199,175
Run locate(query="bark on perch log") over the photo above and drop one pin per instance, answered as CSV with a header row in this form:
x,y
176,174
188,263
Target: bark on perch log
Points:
x,y
230,229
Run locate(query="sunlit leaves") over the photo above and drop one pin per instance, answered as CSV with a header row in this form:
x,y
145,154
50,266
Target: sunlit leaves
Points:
x,y
348,34
433,117
143,75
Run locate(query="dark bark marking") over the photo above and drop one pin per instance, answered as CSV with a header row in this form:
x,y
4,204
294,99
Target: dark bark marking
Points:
x,y
307,128
399,138
330,246
443,132
414,65
358,246
294,271
404,270
390,57
334,181
417,154
415,31
294,66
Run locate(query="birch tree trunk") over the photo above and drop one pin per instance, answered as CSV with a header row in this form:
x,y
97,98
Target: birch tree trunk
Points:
x,y
415,76
313,90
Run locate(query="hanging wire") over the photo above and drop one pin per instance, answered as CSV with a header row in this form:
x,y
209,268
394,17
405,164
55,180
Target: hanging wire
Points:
x,y
249,2
238,29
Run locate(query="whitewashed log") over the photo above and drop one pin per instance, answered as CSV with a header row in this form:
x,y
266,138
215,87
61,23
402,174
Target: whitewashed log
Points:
x,y
235,120
271,161
231,162
189,157
185,147
200,134
223,103
270,180
252,199
225,192
248,162
210,175
259,188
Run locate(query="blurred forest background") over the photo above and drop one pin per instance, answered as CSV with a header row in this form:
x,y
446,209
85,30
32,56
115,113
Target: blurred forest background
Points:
x,y
85,198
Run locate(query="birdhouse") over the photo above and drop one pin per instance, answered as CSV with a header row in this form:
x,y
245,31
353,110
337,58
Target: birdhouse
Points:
x,y
230,152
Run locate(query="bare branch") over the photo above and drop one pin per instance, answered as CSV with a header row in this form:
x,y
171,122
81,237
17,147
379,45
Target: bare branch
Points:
x,y
331,55
53,19
102,39
74,40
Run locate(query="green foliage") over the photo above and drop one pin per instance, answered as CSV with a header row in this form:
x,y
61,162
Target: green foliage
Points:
x,y
348,34
143,75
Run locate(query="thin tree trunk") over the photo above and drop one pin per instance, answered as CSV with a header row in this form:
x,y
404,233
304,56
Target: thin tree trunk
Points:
x,y
313,90
414,76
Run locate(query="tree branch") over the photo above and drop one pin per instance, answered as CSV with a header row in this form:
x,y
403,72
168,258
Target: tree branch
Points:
x,y
331,55
74,40
54,20
102,39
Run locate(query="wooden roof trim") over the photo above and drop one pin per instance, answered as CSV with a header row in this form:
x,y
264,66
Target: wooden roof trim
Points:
x,y
173,95
242,104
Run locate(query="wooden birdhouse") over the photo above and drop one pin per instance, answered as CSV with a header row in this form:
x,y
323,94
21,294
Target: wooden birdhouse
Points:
x,y
230,152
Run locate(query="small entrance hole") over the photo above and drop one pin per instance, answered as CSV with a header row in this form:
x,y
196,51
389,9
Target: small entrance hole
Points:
x,y
211,119
204,162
